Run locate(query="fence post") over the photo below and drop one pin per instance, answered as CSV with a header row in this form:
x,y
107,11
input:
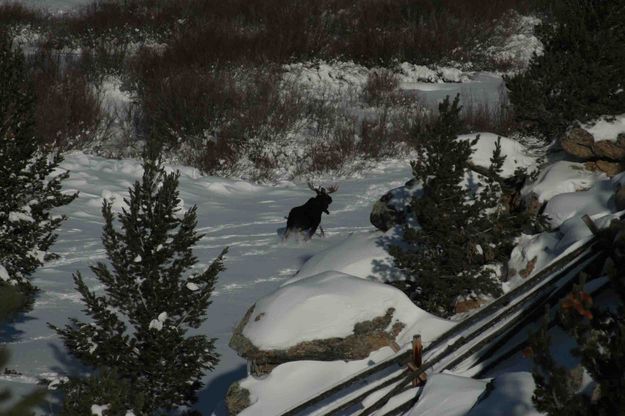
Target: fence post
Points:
x,y
417,360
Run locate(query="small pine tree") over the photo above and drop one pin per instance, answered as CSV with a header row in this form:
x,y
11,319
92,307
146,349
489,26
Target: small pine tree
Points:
x,y
29,189
105,390
443,256
140,322
600,345
11,301
580,75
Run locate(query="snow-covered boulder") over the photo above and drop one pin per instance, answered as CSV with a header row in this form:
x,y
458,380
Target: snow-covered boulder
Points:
x,y
558,178
515,153
598,199
448,395
510,395
362,255
393,207
329,316
602,142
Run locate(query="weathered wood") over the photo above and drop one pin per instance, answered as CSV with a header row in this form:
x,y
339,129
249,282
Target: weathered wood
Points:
x,y
417,360
462,341
591,225
561,265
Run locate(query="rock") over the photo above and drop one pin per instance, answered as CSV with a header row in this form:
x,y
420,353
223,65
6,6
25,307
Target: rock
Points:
x,y
463,305
578,142
367,336
384,216
529,268
393,207
610,149
237,399
619,198
604,153
606,166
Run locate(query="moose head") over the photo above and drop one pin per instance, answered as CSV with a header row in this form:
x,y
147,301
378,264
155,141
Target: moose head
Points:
x,y
323,198
306,218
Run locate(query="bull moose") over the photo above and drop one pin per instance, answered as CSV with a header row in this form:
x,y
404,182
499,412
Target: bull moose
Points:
x,y
306,218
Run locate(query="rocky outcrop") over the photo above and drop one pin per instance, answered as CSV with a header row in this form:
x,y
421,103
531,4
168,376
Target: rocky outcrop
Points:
x,y
393,208
605,166
463,305
605,154
367,336
237,399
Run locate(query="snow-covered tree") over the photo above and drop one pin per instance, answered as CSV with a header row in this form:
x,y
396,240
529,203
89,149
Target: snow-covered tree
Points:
x,y
10,302
581,73
444,257
599,334
30,185
140,322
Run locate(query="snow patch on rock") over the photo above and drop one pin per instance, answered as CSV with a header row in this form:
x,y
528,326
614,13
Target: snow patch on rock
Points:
x,y
561,177
606,128
329,305
516,155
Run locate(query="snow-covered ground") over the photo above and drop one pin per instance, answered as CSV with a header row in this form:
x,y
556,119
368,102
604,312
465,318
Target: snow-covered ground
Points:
x,y
231,213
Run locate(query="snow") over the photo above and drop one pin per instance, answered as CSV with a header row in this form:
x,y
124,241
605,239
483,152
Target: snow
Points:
x,y
448,395
606,128
98,409
290,383
598,199
562,177
519,42
516,155
15,216
158,322
328,305
192,286
511,395
4,274
361,255
232,213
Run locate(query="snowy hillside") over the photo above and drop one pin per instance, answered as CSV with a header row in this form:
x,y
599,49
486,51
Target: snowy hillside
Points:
x,y
231,213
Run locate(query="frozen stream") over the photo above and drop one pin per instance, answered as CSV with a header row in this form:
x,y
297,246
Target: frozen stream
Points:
x,y
237,214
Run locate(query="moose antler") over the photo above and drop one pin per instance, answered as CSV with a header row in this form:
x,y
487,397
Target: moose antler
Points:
x,y
321,190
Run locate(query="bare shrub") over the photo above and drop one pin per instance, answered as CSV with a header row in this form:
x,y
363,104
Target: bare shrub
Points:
x,y
331,154
68,112
380,88
215,112
483,117
14,13
369,31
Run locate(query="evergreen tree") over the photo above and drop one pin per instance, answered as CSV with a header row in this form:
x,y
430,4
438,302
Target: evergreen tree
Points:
x,y
599,334
140,323
105,390
30,189
580,75
11,301
445,255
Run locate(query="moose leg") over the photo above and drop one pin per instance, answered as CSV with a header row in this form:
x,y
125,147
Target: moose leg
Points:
x,y
309,233
321,232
